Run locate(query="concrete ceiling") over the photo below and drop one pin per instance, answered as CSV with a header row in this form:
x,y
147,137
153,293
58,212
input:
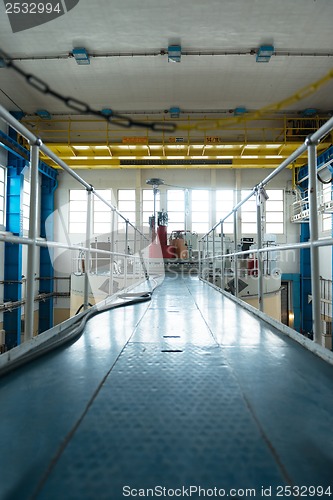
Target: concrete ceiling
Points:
x,y
129,72
300,30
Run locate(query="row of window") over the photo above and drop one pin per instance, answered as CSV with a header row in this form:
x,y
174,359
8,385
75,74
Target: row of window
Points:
x,y
183,207
190,207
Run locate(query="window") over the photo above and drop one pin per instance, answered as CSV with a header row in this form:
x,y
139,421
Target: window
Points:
x,y
148,205
78,211
2,196
102,213
326,197
200,210
274,213
249,214
224,205
176,209
126,205
26,204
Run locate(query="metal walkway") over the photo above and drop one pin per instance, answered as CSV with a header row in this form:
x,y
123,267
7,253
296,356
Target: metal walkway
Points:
x,y
188,390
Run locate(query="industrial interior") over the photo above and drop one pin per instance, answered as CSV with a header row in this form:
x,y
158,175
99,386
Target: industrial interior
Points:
x,y
166,249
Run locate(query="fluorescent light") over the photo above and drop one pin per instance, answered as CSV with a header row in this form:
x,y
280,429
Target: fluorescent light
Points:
x,y
273,157
273,145
79,157
227,157
225,146
101,147
176,146
103,158
175,157
155,147
81,147
249,157
197,146
252,146
199,157
126,157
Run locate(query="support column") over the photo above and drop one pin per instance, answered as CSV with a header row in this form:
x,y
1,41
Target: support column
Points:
x,y
314,251
260,201
46,271
32,249
13,252
88,253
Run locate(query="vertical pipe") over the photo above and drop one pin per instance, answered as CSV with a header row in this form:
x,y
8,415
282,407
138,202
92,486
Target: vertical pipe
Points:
x,y
32,249
235,250
260,255
88,253
314,251
222,258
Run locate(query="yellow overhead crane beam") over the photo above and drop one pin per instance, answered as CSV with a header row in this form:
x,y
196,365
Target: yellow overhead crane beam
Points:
x,y
176,156
89,143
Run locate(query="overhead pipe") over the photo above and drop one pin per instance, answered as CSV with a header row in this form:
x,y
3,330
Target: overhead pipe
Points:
x,y
164,51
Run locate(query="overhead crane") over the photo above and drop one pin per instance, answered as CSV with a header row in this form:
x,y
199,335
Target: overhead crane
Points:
x,y
85,143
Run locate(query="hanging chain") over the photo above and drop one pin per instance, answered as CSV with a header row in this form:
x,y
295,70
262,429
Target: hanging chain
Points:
x,y
82,107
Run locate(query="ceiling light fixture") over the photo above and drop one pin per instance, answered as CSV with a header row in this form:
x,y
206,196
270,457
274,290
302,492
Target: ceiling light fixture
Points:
x,y
174,112
240,111
81,56
174,53
44,114
265,53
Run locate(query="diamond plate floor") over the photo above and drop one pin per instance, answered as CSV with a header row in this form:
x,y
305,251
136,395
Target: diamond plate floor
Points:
x,y
189,389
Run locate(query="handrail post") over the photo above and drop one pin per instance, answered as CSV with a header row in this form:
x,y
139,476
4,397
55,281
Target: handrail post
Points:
x,y
112,247
314,251
259,199
126,253
199,259
206,271
88,252
222,258
235,256
214,257
32,249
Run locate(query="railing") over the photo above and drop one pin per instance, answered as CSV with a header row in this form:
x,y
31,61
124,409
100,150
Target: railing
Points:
x,y
212,247
264,129
134,263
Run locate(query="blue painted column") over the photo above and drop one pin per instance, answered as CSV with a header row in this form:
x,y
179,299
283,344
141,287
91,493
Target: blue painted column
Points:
x,y
13,252
46,271
305,281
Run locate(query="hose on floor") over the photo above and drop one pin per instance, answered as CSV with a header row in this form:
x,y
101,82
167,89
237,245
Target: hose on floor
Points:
x,y
38,346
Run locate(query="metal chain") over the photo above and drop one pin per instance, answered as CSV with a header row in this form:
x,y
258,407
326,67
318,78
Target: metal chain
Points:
x,y
82,107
